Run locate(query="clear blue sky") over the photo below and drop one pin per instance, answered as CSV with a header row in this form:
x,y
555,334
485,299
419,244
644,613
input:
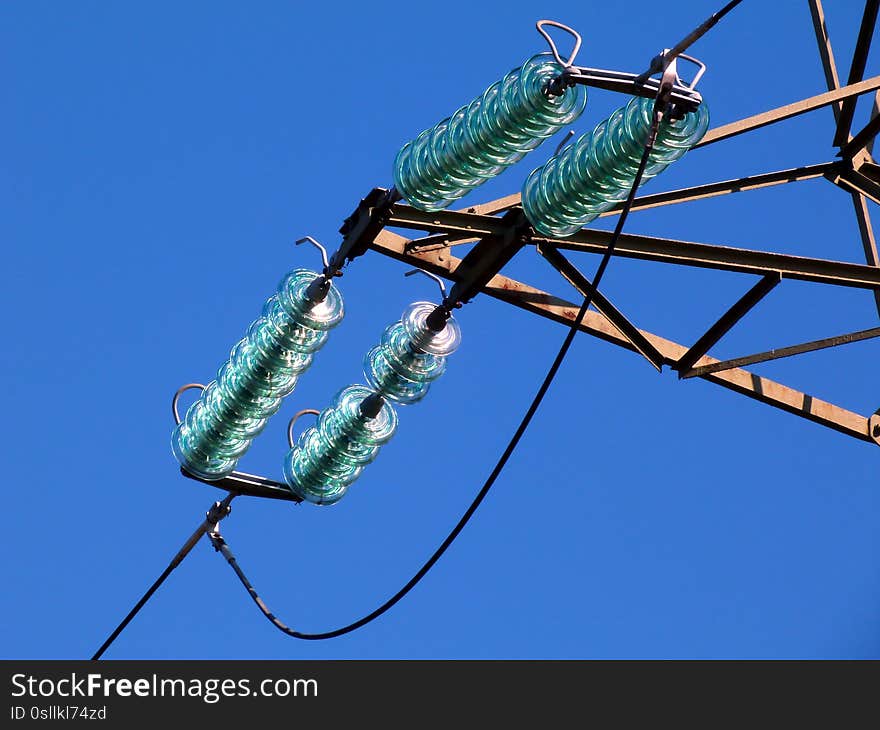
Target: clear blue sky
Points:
x,y
160,159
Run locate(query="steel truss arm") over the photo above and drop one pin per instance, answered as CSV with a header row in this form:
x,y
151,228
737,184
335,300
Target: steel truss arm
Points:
x,y
855,172
648,248
559,310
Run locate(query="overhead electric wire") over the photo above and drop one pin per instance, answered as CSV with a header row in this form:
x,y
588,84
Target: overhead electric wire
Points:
x,y
217,512
220,544
701,29
689,39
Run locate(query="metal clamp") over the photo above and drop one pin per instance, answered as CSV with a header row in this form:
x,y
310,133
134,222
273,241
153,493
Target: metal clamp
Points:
x,y
218,511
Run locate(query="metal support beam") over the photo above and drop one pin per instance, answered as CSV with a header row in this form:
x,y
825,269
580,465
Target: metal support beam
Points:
x,y
857,69
726,322
875,110
789,110
855,182
726,258
866,231
665,250
585,287
546,305
861,140
725,187
826,53
782,352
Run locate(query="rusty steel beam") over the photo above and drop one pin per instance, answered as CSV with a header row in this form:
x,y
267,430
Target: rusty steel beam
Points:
x,y
727,321
546,305
789,110
664,250
857,70
505,289
489,256
495,206
727,258
585,287
781,352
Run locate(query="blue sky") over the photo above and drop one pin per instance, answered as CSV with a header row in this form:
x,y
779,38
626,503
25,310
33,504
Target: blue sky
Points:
x,y
158,163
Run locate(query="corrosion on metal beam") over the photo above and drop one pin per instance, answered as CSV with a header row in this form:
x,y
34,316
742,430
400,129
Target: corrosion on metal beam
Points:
x,y
495,206
585,287
857,70
727,321
489,256
782,352
789,110
546,305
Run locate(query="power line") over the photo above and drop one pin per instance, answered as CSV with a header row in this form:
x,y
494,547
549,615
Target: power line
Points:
x,y
218,511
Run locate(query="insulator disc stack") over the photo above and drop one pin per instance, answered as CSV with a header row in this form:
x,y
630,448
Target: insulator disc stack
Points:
x,y
331,454
261,370
595,172
483,138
